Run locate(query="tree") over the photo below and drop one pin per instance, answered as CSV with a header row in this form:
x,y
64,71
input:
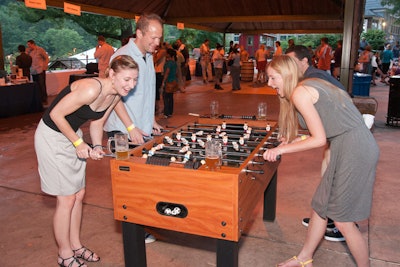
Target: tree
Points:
x,y
314,40
191,37
20,24
63,42
394,8
375,38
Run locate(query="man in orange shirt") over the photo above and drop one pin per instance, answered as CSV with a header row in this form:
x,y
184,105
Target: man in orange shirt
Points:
x,y
324,55
103,53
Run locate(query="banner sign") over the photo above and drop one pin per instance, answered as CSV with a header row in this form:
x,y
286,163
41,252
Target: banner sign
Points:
x,y
40,4
180,26
72,9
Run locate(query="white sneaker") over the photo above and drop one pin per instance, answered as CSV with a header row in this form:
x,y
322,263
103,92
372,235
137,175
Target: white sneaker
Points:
x,y
148,238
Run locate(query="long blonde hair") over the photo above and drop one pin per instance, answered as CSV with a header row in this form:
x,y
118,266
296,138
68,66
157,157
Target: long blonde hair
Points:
x,y
291,75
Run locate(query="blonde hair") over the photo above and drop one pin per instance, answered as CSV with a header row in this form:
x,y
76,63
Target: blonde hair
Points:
x,y
291,75
121,62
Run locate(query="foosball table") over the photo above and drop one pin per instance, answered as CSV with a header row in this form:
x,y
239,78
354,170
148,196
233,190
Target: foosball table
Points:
x,y
165,184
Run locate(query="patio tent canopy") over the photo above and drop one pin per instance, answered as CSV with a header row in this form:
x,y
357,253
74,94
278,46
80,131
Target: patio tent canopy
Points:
x,y
239,16
249,17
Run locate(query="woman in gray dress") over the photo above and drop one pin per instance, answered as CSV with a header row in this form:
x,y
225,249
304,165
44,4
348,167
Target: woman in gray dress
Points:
x,y
349,166
62,153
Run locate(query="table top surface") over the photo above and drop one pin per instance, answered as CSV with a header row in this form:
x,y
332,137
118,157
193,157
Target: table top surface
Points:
x,y
9,85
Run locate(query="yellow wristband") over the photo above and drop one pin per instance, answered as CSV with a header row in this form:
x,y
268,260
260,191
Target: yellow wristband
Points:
x,y
130,127
77,142
303,137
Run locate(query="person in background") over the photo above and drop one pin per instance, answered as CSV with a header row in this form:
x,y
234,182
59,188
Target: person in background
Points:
x,y
231,46
386,59
62,153
338,59
40,61
363,43
196,53
159,61
375,63
278,49
135,114
170,75
365,58
261,64
235,69
244,55
180,62
182,48
103,53
218,60
24,61
303,58
205,61
324,55
396,50
291,43
345,191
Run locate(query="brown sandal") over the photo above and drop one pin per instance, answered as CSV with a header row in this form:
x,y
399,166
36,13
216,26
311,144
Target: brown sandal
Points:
x,y
302,263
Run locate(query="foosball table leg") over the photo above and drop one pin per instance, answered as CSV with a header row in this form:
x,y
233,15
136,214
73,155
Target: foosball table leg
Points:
x,y
270,199
227,253
134,245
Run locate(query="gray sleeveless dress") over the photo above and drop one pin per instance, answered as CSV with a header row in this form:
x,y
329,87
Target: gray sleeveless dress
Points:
x,y
345,191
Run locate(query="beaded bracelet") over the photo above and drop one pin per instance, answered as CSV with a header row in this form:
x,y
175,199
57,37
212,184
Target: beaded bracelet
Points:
x,y
77,142
97,146
130,127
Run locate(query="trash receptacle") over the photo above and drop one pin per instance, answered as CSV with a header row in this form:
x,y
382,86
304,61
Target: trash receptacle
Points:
x,y
361,84
393,115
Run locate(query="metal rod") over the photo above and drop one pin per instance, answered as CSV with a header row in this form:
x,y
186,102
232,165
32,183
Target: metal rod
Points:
x,y
198,150
162,153
228,126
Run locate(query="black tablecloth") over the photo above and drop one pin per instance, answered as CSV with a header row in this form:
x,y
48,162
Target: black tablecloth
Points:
x,y
75,77
19,99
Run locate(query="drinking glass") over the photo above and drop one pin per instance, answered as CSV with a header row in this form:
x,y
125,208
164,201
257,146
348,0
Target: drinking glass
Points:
x,y
262,111
213,154
121,143
214,105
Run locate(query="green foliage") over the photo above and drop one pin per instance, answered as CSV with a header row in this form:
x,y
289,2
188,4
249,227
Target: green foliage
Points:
x,y
57,32
394,8
191,37
63,42
375,38
314,40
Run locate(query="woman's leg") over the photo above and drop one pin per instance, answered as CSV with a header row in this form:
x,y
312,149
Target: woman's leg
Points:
x,y
355,242
76,220
165,99
209,72
172,104
258,73
204,70
316,231
62,225
168,104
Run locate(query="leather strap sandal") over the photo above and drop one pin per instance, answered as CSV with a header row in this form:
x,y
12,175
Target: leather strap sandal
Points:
x,y
70,262
86,254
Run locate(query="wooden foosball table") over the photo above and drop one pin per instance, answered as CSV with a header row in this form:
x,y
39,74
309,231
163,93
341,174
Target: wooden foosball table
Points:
x,y
165,184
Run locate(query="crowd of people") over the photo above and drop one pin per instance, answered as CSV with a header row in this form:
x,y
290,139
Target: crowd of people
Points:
x,y
126,98
381,63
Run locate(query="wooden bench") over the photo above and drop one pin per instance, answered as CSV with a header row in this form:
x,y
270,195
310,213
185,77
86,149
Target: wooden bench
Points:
x,y
366,104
